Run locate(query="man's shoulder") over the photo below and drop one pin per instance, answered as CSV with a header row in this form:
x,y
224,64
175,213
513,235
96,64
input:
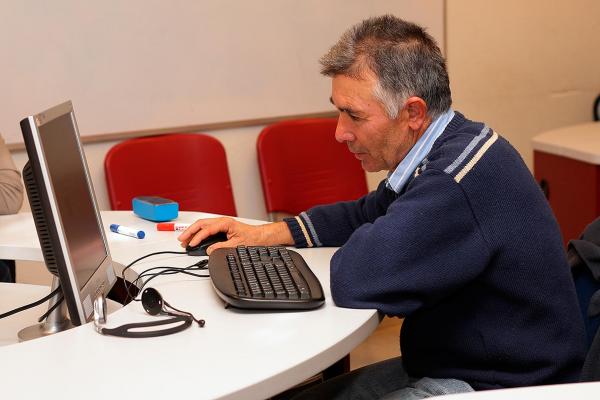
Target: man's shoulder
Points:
x,y
464,143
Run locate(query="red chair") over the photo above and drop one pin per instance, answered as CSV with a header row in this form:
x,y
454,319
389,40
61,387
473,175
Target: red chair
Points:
x,y
302,165
188,168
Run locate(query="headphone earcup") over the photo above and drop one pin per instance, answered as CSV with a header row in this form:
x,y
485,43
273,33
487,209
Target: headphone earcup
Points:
x,y
152,301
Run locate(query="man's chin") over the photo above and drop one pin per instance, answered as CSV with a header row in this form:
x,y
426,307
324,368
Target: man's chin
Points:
x,y
367,163
369,167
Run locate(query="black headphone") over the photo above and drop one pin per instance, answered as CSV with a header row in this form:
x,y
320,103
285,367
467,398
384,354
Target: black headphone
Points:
x,y
154,304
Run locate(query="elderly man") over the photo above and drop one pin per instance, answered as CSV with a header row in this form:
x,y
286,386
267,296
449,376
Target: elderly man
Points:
x,y
458,240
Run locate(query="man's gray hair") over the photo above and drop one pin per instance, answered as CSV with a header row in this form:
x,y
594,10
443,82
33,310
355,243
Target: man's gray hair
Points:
x,y
404,58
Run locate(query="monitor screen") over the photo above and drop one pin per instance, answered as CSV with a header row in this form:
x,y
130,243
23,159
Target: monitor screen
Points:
x,y
83,236
64,208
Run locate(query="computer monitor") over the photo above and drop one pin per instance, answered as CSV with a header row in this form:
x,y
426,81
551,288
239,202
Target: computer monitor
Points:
x,y
65,212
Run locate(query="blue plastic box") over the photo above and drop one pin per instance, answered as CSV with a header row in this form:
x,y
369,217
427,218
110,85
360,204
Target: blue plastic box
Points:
x,y
156,209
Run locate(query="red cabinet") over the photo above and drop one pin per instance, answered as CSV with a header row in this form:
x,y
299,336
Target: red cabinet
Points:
x,y
566,162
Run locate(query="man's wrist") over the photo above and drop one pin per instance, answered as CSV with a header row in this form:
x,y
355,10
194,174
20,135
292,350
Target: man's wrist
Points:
x,y
283,233
277,233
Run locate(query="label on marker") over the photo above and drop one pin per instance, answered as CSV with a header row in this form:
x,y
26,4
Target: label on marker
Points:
x,y
171,226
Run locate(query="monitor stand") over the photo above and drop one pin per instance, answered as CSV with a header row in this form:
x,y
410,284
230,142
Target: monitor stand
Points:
x,y
56,321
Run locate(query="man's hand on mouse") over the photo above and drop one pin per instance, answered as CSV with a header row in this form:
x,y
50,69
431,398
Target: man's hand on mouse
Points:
x,y
238,233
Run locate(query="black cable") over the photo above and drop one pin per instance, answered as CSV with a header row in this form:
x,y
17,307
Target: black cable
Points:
x,y
28,306
146,256
200,265
60,300
128,287
200,322
170,271
165,271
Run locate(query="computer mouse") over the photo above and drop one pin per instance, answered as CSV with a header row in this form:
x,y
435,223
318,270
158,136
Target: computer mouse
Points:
x,y
200,248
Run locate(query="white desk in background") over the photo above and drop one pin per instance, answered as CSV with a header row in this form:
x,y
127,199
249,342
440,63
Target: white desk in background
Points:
x,y
237,355
19,241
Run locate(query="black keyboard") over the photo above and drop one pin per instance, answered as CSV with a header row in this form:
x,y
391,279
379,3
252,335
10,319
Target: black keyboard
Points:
x,y
264,277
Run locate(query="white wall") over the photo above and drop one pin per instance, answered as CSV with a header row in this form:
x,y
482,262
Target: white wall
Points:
x,y
524,67
149,64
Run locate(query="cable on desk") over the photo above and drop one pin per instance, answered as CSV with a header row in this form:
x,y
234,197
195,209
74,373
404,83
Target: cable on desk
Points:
x,y
199,266
164,270
146,256
128,285
35,303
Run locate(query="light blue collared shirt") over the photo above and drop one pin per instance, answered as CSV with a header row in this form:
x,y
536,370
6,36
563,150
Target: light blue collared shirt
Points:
x,y
397,179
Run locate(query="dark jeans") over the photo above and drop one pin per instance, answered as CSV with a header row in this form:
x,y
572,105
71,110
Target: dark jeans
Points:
x,y
383,380
7,271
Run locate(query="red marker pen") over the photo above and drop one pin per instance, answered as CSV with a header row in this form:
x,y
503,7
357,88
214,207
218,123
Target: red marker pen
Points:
x,y
171,226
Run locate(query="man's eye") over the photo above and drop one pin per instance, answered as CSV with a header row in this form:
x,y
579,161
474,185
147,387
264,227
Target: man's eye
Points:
x,y
354,117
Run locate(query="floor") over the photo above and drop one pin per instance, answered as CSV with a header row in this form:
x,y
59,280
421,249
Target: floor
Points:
x,y
383,343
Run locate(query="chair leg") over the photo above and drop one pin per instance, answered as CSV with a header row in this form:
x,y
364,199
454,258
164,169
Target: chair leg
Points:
x,y
7,271
338,368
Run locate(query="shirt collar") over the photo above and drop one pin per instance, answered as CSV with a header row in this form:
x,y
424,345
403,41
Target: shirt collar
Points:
x,y
397,179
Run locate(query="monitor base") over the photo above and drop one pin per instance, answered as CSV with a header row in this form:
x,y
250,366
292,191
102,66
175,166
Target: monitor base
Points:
x,y
57,320
43,329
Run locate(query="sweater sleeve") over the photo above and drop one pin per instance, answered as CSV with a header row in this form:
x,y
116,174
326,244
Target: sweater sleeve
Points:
x,y
11,188
332,225
423,249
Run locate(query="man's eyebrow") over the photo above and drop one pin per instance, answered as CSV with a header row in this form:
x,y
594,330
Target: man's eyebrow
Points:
x,y
342,109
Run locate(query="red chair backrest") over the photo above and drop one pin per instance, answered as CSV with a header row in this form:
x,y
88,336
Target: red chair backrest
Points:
x,y
188,168
302,165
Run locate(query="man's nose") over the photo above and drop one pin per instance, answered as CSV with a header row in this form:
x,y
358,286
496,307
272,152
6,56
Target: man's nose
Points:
x,y
342,133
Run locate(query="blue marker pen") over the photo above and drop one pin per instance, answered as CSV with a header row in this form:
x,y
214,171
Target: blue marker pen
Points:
x,y
123,230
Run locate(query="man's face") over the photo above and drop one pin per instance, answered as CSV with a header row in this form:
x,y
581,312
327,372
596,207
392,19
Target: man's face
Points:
x,y
380,143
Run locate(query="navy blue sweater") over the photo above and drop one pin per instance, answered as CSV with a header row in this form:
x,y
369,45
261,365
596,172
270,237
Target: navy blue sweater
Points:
x,y
470,254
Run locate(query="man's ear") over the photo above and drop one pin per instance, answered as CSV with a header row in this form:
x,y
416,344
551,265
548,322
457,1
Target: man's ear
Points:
x,y
417,112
